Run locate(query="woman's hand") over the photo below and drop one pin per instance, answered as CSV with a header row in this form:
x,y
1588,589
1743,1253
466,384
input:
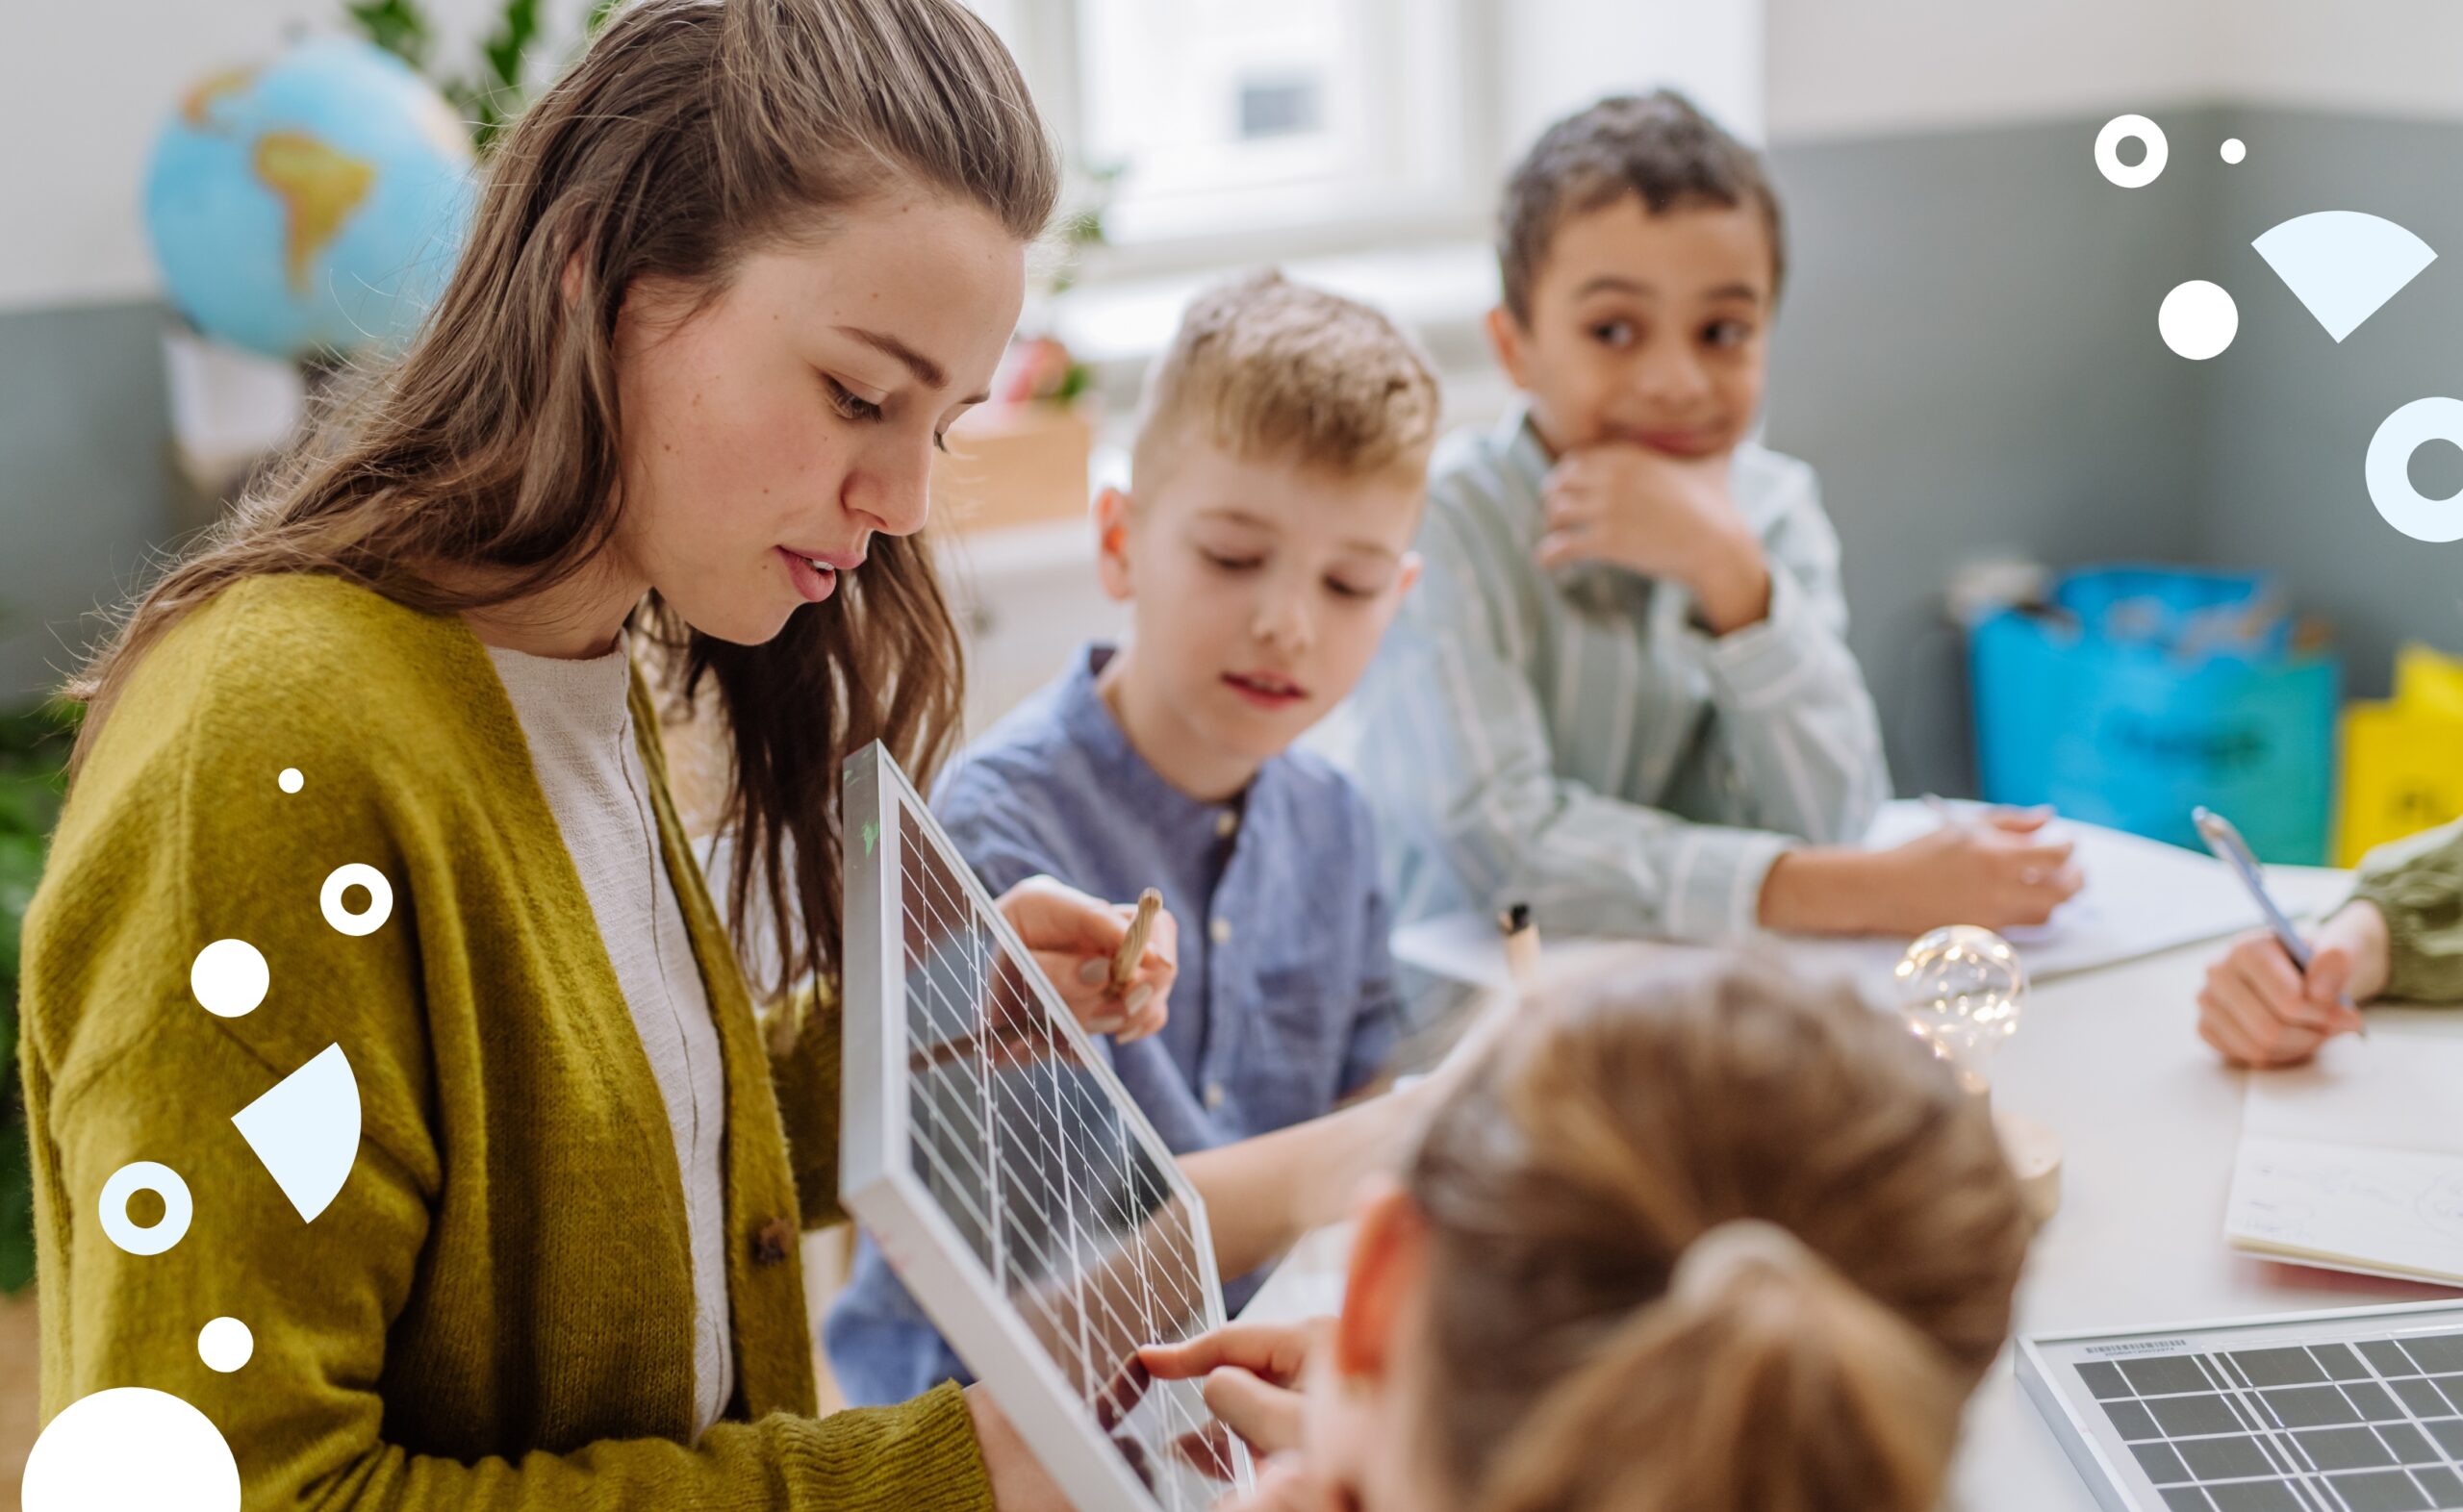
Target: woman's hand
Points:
x,y
1074,937
1018,1483
1997,873
2258,1009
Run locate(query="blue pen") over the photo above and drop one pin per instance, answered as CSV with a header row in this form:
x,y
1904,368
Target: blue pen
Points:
x,y
2233,852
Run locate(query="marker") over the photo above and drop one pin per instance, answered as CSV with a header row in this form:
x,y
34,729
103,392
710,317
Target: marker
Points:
x,y
2233,852
1521,942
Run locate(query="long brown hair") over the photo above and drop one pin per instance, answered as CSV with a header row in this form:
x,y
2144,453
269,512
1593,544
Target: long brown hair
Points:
x,y
691,132
1707,1239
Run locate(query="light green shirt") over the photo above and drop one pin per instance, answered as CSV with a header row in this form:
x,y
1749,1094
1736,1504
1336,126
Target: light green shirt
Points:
x,y
1577,742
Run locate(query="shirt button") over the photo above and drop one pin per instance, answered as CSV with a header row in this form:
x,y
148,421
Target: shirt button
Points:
x,y
1214,1094
1221,930
1225,823
773,1241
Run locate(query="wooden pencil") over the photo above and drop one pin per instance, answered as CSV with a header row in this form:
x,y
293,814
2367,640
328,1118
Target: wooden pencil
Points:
x,y
1133,946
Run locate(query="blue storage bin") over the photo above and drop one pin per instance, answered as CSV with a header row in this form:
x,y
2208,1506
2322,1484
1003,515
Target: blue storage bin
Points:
x,y
2151,691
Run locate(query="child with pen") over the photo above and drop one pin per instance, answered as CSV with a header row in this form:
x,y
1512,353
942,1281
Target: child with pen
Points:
x,y
2400,936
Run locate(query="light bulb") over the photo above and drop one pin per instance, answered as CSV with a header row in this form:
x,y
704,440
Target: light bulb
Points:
x,y
1961,989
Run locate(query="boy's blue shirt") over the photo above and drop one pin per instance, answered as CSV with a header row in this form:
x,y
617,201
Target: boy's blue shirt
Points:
x,y
1285,999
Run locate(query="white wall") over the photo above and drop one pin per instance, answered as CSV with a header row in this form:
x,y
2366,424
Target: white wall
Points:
x,y
1866,67
84,87
1559,55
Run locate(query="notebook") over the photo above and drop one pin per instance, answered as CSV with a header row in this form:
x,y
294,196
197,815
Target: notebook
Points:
x,y
2355,1161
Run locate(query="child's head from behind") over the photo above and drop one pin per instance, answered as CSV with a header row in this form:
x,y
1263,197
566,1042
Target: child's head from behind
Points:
x,y
1265,542
1699,1238
1640,253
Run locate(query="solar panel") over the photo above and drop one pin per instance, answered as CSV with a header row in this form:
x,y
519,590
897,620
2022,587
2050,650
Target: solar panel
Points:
x,y
1008,1177
2357,1410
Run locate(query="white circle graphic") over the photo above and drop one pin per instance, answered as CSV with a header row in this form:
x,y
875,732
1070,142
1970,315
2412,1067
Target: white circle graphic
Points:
x,y
145,1176
2108,159
225,1344
2234,149
130,1448
2198,319
229,978
380,898
2389,470
291,781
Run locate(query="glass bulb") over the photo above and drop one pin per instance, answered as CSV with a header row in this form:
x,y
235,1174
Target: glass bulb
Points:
x,y
1961,989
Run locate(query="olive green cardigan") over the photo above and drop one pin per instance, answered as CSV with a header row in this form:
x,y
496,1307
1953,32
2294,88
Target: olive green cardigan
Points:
x,y
497,1310
2417,885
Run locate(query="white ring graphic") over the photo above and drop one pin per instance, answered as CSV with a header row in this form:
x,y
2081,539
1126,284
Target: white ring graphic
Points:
x,y
2108,162
2389,470
380,898
146,1175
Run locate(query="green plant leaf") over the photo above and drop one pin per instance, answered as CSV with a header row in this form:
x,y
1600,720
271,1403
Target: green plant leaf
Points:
x,y
510,42
16,1201
397,26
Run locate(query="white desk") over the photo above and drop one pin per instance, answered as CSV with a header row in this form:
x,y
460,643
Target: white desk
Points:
x,y
2149,1119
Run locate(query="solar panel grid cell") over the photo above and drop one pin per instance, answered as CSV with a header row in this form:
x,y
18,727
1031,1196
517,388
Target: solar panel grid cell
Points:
x,y
1011,1180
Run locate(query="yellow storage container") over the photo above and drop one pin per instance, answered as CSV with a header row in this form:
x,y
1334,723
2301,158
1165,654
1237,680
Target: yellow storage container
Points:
x,y
2403,759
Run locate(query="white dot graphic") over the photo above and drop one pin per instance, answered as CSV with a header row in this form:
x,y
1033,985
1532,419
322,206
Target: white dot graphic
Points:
x,y
229,978
380,898
145,1176
131,1448
2199,319
2108,156
2388,469
291,781
2234,149
225,1344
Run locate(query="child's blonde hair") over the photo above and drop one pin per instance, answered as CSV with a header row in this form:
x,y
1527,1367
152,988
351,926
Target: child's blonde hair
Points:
x,y
1264,368
1707,1239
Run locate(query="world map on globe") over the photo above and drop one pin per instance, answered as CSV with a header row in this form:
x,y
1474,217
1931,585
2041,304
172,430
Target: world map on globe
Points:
x,y
315,204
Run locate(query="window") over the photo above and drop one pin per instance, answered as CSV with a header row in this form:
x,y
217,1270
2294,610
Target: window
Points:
x,y
1314,123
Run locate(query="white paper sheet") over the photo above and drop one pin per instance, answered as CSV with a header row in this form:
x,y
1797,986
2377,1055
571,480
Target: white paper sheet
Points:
x,y
2140,896
2355,1160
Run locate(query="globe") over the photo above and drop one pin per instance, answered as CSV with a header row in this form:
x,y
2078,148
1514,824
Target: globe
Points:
x,y
315,204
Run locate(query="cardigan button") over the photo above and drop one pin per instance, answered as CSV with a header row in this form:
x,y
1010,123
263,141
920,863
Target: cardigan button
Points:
x,y
773,1241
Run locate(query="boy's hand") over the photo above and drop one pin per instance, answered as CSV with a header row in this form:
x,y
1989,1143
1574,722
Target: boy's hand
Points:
x,y
1251,1372
1658,515
1995,874
1074,935
2257,1008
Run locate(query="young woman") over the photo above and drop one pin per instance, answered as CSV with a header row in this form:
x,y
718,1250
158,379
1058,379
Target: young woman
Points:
x,y
1698,1239
729,281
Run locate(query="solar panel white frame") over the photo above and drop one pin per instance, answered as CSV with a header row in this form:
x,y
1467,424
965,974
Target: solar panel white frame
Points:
x,y
882,1187
2046,1367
